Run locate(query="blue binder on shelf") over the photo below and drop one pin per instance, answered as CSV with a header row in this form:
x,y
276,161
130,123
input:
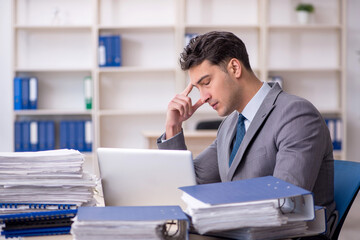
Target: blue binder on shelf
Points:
x,y
294,202
88,140
25,93
102,51
110,51
116,47
34,136
18,137
64,135
33,92
72,134
25,135
17,93
42,135
50,135
80,140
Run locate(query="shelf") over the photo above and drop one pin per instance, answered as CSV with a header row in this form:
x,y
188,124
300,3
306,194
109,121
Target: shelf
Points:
x,y
305,69
136,69
210,27
51,70
298,27
53,27
135,28
51,112
117,113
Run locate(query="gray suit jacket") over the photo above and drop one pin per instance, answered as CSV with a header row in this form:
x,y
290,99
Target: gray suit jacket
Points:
x,y
288,139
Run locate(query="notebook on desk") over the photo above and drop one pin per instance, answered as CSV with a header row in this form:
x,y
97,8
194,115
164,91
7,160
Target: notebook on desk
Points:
x,y
142,177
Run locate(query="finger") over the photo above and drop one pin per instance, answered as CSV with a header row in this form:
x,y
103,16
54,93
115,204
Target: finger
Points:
x,y
180,105
188,89
198,104
185,102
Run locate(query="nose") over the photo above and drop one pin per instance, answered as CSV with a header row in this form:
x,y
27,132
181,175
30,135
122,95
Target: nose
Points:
x,y
204,96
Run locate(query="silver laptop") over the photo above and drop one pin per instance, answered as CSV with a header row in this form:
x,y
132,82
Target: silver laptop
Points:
x,y
140,177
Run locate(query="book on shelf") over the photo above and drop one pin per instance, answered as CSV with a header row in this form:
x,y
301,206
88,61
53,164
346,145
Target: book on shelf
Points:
x,y
109,51
135,222
25,93
17,93
88,92
276,79
257,202
31,135
335,129
33,88
188,37
76,134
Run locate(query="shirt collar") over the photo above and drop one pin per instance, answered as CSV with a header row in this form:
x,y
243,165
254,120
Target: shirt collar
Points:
x,y
253,106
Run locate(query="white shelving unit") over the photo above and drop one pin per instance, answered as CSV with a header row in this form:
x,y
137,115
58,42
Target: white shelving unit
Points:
x,y
57,44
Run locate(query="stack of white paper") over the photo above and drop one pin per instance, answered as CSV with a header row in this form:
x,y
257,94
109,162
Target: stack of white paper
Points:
x,y
45,177
130,222
286,231
208,218
264,233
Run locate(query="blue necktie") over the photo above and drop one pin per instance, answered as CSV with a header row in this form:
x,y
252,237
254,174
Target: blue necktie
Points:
x,y
240,132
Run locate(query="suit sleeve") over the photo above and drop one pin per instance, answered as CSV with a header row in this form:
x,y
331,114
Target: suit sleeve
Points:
x,y
175,143
302,139
206,165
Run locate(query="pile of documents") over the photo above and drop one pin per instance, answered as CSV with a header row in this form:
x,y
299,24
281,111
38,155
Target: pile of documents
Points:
x,y
130,222
37,185
54,176
287,231
252,209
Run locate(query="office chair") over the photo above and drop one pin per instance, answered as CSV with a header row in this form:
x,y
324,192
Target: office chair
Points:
x,y
346,187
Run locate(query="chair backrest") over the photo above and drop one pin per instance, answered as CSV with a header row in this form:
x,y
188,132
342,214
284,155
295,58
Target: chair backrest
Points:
x,y
346,187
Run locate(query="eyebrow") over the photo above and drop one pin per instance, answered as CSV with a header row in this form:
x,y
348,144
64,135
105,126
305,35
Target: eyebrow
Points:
x,y
202,78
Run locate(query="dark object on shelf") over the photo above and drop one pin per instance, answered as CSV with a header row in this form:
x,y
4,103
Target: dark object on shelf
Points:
x,y
207,125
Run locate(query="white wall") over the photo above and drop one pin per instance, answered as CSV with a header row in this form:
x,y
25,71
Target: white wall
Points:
x,y
6,126
353,74
353,80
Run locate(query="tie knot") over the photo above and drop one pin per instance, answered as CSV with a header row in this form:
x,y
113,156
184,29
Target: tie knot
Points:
x,y
241,118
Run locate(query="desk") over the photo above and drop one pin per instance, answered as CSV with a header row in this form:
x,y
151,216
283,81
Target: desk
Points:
x,y
56,237
69,237
196,141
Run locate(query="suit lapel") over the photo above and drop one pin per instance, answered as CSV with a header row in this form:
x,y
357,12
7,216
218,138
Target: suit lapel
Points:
x,y
261,115
226,138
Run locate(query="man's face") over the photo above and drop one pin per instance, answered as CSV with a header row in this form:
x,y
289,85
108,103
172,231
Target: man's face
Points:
x,y
218,88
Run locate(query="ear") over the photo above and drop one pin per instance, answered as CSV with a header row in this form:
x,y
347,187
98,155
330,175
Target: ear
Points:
x,y
235,67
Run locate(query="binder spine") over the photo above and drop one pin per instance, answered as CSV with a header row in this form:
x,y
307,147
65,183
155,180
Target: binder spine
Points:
x,y
17,93
34,138
33,93
18,136
25,93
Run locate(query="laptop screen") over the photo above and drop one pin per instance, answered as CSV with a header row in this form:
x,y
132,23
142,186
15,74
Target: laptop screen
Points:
x,y
141,177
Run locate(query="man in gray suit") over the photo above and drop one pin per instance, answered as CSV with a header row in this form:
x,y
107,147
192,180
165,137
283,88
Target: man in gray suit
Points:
x,y
285,136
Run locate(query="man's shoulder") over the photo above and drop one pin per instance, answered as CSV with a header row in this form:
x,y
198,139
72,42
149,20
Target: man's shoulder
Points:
x,y
285,98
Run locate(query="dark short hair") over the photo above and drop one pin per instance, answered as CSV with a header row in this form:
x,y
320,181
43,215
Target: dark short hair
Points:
x,y
216,47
